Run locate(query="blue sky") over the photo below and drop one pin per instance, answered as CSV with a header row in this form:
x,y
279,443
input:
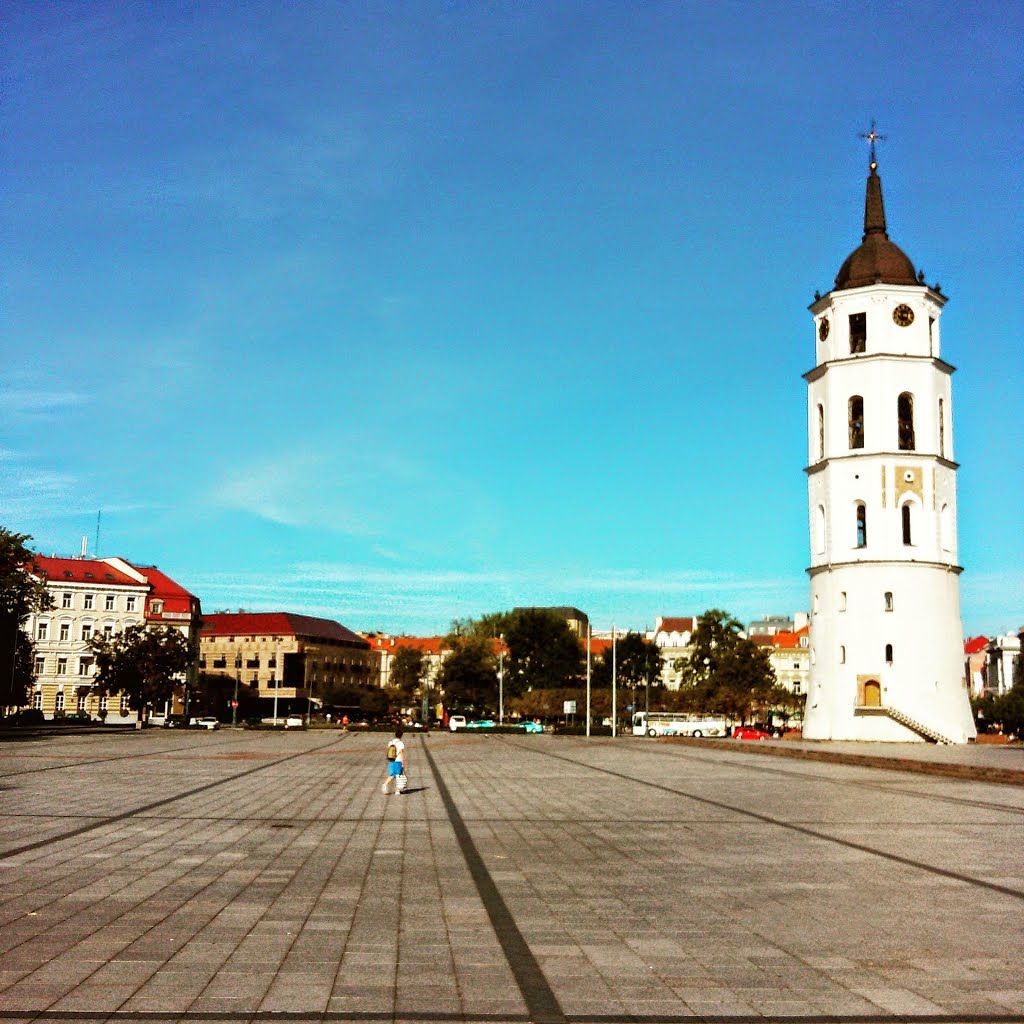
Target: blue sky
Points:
x,y
396,313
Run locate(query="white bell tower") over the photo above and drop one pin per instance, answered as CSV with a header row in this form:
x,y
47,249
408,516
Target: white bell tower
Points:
x,y
886,638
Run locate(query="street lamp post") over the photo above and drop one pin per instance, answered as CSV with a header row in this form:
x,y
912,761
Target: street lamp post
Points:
x,y
238,676
501,680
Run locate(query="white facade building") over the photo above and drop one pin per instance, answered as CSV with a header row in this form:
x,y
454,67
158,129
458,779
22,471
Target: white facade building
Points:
x,y
886,638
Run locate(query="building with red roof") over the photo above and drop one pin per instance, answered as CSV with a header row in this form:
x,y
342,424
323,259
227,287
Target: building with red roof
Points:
x,y
282,662
93,596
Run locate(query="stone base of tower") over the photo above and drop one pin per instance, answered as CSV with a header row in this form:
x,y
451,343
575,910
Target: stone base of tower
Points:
x,y
884,725
887,655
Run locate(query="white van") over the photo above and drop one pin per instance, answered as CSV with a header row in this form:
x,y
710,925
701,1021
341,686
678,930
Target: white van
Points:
x,y
457,722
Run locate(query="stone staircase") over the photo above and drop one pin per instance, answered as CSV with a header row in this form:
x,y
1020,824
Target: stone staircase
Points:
x,y
930,734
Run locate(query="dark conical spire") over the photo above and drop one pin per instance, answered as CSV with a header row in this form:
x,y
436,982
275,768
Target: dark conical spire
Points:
x,y
874,207
877,260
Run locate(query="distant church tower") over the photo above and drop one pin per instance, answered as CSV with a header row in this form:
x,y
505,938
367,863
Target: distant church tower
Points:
x,y
886,639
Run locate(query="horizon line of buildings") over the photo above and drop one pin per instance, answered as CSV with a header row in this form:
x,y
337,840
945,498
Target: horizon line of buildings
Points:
x,y
291,657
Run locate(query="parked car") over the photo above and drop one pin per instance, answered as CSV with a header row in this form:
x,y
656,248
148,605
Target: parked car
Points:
x,y
74,718
294,722
175,722
457,722
208,722
27,716
749,732
480,723
529,726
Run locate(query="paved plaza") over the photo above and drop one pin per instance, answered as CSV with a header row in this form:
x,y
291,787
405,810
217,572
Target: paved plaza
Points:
x,y
259,876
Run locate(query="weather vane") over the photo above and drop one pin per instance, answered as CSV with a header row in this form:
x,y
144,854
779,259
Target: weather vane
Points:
x,y
873,137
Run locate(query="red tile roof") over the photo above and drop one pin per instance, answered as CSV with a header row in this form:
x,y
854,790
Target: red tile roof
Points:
x,y
787,640
279,624
81,570
678,624
975,644
162,588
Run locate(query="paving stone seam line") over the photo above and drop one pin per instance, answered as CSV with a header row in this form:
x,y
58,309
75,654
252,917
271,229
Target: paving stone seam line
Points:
x,y
105,760
540,999
233,1017
892,765
801,829
962,772
114,819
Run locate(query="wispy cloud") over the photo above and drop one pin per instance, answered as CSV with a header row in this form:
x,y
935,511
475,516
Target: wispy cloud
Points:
x,y
38,402
411,599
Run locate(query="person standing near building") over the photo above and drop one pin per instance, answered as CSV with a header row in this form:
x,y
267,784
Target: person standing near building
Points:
x,y
396,764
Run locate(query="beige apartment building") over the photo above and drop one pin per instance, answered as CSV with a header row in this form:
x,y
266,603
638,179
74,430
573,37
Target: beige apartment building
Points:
x,y
284,659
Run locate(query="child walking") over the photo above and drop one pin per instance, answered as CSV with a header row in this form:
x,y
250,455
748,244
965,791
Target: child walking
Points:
x,y
396,764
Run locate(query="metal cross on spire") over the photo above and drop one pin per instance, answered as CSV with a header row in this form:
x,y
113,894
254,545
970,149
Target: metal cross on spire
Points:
x,y
873,137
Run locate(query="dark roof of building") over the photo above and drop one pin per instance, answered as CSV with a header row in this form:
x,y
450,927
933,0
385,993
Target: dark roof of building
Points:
x,y
876,260
279,624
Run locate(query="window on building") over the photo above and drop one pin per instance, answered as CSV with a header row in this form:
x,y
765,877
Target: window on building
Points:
x,y
931,335
942,430
87,600
37,700
65,631
65,600
124,704
58,702
40,666
156,607
85,666
62,666
905,515
856,406
821,431
888,600
888,654
103,703
858,332
842,600
42,630
905,421
108,630
842,654
946,527
108,603
862,526
129,604
82,700
86,630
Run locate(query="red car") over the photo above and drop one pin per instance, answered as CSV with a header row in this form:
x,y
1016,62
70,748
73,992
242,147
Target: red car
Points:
x,y
749,732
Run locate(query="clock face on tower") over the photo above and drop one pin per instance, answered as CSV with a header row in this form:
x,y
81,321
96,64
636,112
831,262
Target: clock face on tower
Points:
x,y
823,329
903,315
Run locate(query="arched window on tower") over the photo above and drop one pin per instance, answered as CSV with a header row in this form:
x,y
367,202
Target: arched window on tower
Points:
x,y
942,430
888,654
858,332
821,431
862,525
819,530
856,422
946,527
905,418
905,516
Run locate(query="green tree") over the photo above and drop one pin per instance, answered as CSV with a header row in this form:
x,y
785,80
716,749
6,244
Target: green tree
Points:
x,y
543,652
408,671
468,676
727,673
144,664
21,594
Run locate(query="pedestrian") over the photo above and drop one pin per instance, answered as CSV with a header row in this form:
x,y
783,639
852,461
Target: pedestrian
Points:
x,y
396,764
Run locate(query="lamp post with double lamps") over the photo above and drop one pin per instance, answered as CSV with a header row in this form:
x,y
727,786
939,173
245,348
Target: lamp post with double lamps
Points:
x,y
238,676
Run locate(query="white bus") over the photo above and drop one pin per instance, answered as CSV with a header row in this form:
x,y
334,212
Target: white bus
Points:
x,y
676,723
